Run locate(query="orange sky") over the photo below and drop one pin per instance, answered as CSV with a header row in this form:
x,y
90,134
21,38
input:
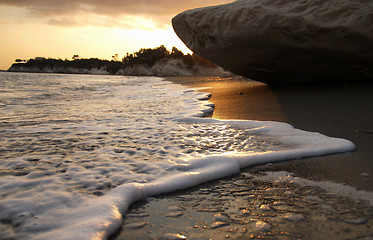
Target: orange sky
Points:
x,y
88,28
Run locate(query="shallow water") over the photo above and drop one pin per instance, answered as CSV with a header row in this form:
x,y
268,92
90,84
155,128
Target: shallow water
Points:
x,y
77,150
95,133
253,205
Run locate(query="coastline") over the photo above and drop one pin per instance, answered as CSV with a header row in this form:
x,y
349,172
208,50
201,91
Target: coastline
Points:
x,y
340,111
250,205
326,197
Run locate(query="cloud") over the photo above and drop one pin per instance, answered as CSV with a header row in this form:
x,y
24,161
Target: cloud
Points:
x,y
70,12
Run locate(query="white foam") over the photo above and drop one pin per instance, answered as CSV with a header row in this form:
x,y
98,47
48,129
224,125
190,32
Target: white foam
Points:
x,y
214,167
143,136
198,171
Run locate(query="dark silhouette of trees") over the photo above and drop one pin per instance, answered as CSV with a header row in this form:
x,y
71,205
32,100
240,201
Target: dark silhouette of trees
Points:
x,y
59,65
145,56
20,60
150,56
113,67
115,57
176,53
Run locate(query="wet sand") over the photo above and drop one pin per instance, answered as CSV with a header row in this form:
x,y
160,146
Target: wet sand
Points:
x,y
245,206
343,111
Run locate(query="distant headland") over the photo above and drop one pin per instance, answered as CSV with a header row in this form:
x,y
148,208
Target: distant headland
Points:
x,y
145,62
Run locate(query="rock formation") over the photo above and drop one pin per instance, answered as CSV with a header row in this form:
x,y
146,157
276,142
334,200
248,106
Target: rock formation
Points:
x,y
284,41
173,67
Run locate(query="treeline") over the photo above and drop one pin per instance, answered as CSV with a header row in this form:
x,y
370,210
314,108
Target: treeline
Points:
x,y
147,57
49,63
150,56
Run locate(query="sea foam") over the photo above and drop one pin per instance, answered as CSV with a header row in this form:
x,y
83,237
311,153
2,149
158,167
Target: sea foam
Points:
x,y
77,150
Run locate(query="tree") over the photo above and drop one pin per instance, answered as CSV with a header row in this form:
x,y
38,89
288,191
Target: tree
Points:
x,y
176,53
115,57
147,56
75,57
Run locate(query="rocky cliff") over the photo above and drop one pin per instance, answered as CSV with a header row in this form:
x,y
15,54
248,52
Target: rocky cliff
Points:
x,y
164,68
284,41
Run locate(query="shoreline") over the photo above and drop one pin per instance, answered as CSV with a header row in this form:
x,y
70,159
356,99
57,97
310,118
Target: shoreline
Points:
x,y
252,205
258,199
340,111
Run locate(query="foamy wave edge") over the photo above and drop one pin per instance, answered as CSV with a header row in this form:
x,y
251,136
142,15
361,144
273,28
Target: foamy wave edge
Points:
x,y
100,217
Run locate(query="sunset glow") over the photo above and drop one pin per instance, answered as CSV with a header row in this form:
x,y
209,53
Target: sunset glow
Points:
x,y
86,28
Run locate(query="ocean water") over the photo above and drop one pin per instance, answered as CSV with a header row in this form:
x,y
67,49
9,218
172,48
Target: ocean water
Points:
x,y
77,150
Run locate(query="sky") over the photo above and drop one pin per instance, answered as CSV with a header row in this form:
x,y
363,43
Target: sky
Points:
x,y
88,28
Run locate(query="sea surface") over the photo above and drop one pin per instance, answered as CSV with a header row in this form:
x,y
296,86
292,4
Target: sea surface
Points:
x,y
77,150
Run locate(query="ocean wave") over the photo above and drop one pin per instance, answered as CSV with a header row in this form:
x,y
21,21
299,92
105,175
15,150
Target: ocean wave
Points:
x,y
84,160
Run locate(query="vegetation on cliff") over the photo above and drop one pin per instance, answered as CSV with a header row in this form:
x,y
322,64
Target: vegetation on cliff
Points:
x,y
146,56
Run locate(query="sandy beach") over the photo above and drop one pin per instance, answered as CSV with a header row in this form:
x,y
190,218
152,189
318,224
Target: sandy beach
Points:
x,y
342,111
247,206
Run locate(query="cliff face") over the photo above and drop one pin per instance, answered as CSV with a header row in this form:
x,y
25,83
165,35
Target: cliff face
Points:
x,y
173,67
69,70
284,41
165,68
